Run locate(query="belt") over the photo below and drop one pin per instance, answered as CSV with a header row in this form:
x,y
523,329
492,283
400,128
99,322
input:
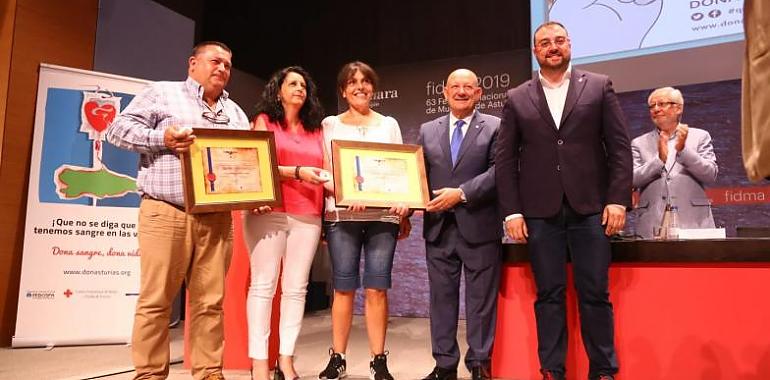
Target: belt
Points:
x,y
180,208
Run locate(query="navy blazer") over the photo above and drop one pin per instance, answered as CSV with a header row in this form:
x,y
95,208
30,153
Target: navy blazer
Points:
x,y
477,219
587,160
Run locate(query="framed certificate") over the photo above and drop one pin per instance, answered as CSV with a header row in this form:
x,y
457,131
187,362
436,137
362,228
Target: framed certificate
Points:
x,y
228,169
379,175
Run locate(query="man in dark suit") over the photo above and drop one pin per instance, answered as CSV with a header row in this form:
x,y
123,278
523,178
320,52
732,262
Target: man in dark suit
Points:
x,y
461,227
563,171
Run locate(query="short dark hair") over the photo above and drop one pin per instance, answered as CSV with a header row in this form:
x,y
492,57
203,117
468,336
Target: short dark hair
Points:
x,y
200,45
546,24
311,112
349,70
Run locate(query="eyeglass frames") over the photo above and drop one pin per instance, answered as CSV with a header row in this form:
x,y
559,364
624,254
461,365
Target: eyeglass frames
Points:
x,y
662,105
558,41
216,117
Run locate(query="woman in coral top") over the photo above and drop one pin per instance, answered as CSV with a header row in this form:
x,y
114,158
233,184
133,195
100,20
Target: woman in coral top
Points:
x,y
287,235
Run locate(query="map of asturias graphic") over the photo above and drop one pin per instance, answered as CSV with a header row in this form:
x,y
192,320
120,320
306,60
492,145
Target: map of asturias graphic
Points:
x,y
74,182
71,171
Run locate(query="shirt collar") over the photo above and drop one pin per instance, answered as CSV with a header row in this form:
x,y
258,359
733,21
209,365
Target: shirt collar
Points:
x,y
197,89
673,135
546,83
467,119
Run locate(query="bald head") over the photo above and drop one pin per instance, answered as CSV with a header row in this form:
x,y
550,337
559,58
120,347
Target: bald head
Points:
x,y
462,92
462,73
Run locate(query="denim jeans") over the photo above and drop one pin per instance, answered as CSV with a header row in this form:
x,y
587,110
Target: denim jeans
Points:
x,y
345,240
550,240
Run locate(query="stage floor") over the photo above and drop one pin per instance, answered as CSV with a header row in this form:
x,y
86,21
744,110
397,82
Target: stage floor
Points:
x,y
408,342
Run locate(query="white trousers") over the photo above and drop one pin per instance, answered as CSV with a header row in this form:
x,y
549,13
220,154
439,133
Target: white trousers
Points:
x,y
271,239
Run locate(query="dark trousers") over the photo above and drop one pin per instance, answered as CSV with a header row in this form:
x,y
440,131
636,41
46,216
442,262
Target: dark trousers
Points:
x,y
447,257
589,248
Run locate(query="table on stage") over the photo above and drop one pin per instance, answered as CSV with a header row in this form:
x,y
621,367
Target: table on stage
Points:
x,y
684,309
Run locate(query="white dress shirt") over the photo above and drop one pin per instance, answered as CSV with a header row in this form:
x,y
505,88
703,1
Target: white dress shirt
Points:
x,y
556,94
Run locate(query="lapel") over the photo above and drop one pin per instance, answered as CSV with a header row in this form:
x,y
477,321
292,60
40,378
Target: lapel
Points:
x,y
474,127
443,138
577,83
537,96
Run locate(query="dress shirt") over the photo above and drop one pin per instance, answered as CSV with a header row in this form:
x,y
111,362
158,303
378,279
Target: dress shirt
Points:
x,y
672,152
556,94
140,128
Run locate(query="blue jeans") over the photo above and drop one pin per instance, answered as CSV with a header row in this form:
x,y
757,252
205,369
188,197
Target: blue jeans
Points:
x,y
345,240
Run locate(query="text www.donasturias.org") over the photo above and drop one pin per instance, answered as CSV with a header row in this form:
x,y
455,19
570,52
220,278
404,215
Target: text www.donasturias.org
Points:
x,y
715,25
98,272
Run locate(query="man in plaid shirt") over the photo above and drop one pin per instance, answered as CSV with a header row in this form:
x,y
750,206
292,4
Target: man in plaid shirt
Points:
x,y
174,245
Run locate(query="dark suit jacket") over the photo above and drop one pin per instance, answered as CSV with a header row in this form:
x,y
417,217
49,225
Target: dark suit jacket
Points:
x,y
477,219
588,159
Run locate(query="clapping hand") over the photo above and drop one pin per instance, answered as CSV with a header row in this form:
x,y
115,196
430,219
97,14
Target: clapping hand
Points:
x,y
681,136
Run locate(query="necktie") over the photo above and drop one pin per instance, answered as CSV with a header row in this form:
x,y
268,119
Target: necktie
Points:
x,y
457,139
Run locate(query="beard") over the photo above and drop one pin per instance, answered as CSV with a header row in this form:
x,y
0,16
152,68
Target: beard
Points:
x,y
561,65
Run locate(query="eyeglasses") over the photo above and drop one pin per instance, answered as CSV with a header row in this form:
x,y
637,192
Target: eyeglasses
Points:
x,y
662,105
216,117
558,41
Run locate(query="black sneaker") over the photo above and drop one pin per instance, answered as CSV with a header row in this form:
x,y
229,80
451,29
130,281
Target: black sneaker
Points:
x,y
442,374
335,369
378,368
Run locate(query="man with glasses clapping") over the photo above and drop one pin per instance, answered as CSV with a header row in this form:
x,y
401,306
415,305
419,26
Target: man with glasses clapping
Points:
x,y
672,163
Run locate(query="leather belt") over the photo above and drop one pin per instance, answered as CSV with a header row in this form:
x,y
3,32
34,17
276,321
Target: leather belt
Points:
x,y
180,208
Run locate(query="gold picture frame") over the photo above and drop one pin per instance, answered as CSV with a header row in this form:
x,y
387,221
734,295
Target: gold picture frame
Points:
x,y
217,169
379,174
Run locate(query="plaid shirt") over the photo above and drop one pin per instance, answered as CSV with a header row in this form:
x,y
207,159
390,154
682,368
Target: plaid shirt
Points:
x,y
141,125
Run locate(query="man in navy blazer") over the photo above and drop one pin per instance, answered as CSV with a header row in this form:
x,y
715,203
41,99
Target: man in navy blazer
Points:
x,y
462,228
563,171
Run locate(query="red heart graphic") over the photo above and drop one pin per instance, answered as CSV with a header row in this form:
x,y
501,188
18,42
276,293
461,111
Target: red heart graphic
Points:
x,y
100,116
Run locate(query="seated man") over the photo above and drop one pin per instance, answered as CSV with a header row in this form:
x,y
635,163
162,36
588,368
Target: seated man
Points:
x,y
671,165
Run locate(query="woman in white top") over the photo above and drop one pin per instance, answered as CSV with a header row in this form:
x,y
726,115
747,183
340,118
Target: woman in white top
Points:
x,y
350,229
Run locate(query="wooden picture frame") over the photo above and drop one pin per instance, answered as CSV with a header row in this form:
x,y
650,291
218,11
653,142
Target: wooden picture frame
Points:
x,y
229,169
379,174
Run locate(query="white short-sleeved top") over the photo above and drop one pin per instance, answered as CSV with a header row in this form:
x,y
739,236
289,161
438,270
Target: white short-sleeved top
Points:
x,y
386,131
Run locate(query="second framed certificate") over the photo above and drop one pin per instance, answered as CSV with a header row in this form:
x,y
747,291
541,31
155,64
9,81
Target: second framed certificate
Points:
x,y
228,169
379,175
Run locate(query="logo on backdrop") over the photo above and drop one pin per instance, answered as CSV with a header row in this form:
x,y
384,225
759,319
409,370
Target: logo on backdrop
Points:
x,y
41,294
76,165
380,97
